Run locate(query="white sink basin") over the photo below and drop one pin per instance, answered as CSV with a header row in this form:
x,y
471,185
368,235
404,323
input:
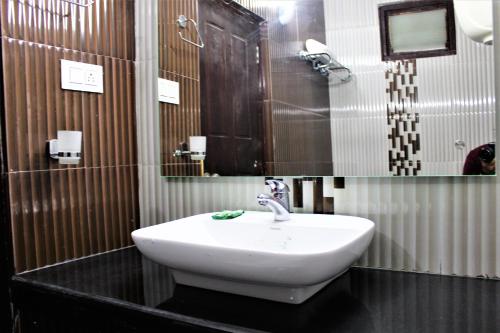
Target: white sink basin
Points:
x,y
255,256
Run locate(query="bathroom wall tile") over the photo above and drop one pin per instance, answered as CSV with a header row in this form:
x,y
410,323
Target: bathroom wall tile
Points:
x,y
299,144
180,62
297,193
339,182
6,258
177,56
105,28
318,195
268,137
36,107
302,87
329,205
60,212
64,214
181,169
179,122
312,20
455,94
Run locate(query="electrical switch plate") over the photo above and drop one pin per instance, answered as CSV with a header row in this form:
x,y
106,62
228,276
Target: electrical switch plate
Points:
x,y
76,75
80,76
168,91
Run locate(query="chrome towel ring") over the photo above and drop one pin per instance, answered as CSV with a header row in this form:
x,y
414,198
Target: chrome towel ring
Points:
x,y
183,22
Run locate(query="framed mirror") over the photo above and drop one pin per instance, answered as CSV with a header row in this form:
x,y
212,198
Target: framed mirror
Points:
x,y
298,88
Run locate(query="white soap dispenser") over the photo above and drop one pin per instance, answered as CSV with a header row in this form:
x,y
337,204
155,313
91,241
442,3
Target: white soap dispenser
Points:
x,y
67,147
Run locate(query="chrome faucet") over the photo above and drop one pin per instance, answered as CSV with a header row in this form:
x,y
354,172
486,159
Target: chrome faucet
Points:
x,y
279,202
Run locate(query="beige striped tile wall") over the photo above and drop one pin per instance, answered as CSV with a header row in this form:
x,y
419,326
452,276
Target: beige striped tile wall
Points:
x,y
60,212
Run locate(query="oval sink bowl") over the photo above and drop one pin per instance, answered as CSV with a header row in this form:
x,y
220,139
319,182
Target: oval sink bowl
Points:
x,y
253,255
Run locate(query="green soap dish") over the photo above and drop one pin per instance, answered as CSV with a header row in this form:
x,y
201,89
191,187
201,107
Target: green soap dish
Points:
x,y
228,215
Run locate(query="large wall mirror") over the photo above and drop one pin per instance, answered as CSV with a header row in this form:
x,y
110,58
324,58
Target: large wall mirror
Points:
x,y
309,88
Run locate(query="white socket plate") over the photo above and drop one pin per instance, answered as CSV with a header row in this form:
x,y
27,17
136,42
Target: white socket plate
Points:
x,y
79,76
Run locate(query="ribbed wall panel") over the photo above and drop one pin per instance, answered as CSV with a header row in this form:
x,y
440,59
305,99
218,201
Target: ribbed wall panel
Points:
x,y
438,225
456,100
358,108
64,212
180,62
105,28
178,123
175,55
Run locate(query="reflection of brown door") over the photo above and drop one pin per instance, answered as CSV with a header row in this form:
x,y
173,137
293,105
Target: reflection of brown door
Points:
x,y
231,96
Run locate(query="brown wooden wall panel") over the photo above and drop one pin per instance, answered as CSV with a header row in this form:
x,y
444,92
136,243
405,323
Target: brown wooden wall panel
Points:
x,y
178,123
106,28
180,62
64,214
177,56
61,212
36,107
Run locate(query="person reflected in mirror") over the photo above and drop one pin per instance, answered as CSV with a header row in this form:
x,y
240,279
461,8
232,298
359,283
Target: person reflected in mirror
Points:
x,y
481,161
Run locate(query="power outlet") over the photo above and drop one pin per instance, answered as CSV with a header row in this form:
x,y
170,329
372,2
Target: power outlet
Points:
x,y
80,76
91,78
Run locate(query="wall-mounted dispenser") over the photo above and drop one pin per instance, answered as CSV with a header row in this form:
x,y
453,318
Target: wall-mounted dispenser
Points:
x,y
198,147
196,150
476,19
67,147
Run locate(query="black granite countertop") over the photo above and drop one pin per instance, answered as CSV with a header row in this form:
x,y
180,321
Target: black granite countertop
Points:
x,y
362,300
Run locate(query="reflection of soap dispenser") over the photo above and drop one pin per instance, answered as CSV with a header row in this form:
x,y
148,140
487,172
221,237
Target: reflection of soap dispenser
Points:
x,y
67,147
198,147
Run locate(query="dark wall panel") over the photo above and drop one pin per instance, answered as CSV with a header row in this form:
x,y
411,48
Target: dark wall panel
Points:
x,y
179,62
63,212
106,28
36,107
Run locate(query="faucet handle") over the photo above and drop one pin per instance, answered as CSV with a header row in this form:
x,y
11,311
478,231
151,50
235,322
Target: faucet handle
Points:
x,y
277,186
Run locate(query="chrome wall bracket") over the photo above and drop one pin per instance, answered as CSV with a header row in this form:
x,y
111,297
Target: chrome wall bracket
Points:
x,y
182,150
326,65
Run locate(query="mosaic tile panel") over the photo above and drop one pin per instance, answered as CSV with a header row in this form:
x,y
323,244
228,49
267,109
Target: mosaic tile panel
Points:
x,y
403,118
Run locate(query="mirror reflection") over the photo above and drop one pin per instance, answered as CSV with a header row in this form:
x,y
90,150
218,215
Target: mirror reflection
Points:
x,y
300,88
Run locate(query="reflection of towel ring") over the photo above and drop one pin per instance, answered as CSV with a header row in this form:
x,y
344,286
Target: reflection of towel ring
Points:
x,y
78,3
183,23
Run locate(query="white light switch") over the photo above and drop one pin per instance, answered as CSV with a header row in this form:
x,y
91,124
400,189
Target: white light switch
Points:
x,y
80,76
168,91
76,75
